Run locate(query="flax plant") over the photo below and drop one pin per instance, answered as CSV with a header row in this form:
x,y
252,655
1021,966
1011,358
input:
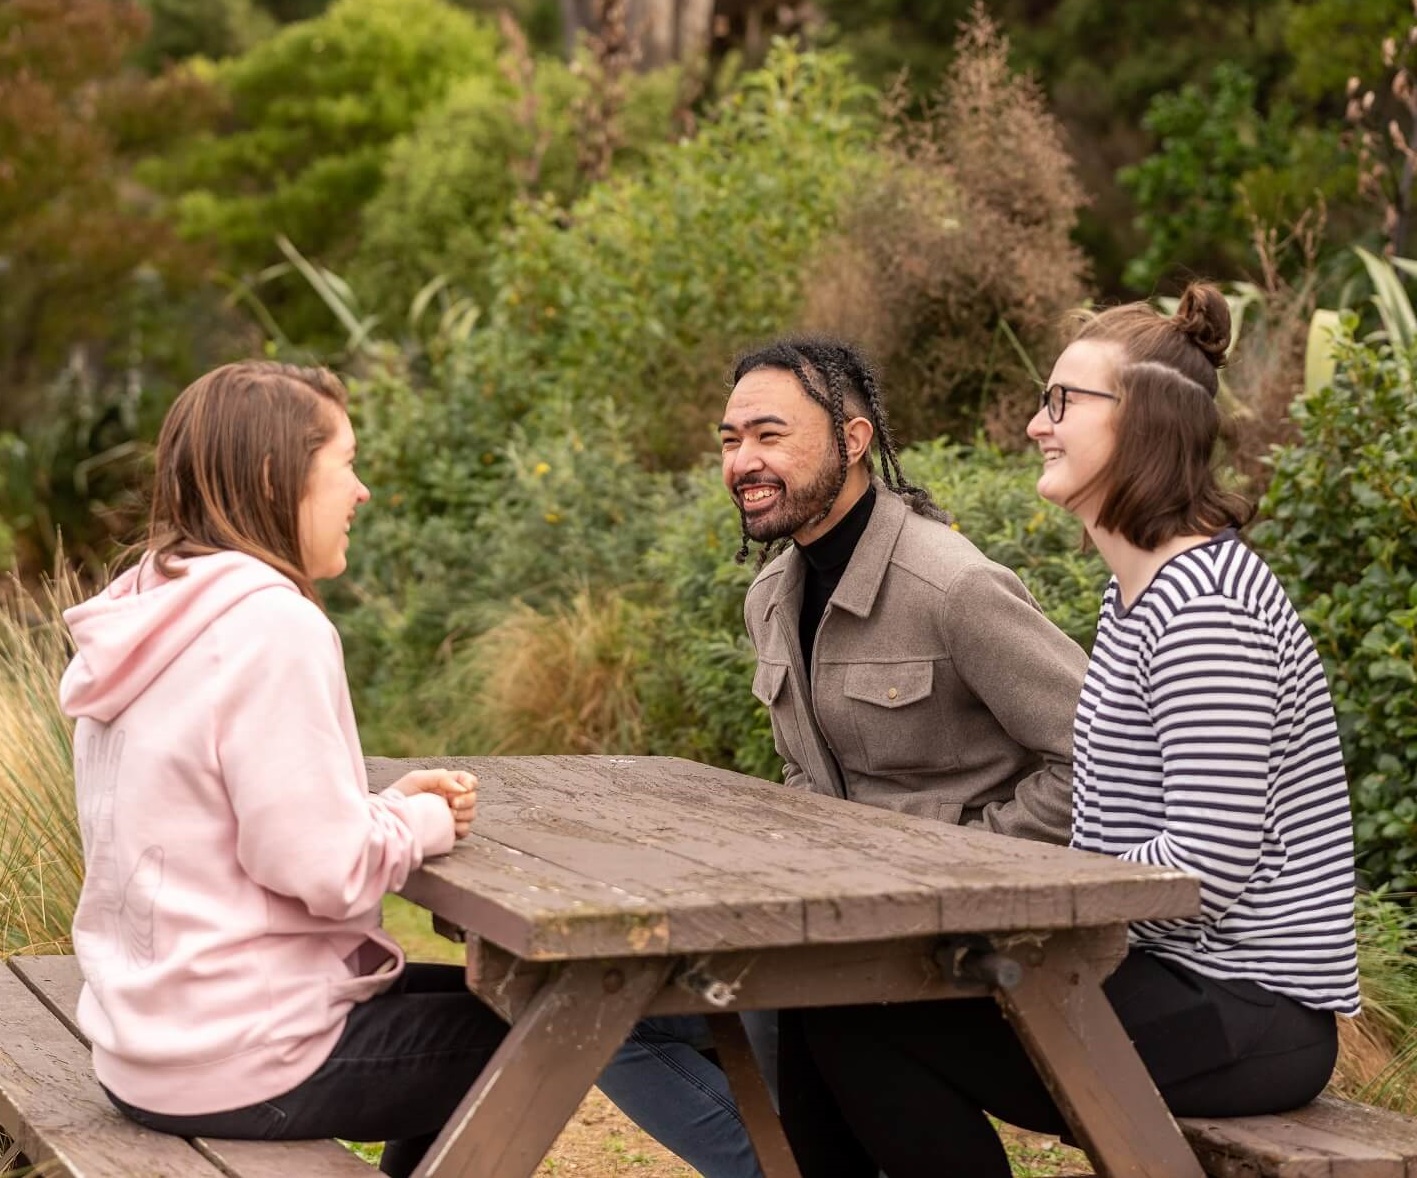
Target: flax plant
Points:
x,y
41,864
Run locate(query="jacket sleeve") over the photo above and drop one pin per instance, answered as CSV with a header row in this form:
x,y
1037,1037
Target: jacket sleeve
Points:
x,y
1029,674
306,826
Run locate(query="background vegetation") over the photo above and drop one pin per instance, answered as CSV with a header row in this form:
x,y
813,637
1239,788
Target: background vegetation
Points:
x,y
534,248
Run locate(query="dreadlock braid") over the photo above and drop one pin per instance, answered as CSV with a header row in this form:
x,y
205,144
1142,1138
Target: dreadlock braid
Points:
x,y
836,375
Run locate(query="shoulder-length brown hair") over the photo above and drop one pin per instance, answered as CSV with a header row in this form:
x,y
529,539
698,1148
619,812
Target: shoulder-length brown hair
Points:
x,y
1160,481
233,458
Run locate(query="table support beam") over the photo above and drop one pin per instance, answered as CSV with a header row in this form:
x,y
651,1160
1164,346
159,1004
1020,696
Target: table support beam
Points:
x,y
1089,1064
543,1069
750,1092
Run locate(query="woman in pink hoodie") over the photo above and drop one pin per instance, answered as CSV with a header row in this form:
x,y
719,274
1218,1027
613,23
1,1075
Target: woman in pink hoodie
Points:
x,y
237,982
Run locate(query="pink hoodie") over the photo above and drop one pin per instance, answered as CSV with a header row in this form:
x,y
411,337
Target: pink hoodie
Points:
x,y
234,859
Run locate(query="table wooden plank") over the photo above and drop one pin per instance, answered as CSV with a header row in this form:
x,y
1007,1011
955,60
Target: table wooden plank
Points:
x,y
729,858
750,1093
535,907
758,979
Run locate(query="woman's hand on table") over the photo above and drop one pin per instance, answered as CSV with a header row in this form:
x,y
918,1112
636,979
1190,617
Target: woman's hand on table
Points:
x,y
457,788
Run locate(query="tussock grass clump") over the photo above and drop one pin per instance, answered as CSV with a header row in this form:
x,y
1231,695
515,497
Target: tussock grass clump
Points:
x,y
1377,1059
41,862
558,680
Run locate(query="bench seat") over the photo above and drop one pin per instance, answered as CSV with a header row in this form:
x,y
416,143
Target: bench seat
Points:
x,y
54,1111
1330,1138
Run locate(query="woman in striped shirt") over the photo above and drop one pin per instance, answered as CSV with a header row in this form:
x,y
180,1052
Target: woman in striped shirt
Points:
x,y
1205,741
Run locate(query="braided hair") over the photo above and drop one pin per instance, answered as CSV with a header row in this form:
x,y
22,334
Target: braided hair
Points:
x,y
836,375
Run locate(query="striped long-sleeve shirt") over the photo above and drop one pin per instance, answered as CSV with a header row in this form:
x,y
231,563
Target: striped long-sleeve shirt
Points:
x,y
1206,741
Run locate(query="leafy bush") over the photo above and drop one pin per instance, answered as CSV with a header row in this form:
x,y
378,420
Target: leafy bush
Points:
x,y
206,28
312,111
957,259
1343,508
569,511
643,289
450,184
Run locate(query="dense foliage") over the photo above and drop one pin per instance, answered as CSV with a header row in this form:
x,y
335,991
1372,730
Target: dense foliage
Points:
x,y
1343,508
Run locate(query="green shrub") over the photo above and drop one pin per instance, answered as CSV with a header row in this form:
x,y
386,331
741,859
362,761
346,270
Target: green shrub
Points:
x,y
450,184
1188,190
643,290
1343,513
312,111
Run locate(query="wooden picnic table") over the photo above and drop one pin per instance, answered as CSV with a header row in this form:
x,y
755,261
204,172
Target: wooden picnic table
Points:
x,y
596,890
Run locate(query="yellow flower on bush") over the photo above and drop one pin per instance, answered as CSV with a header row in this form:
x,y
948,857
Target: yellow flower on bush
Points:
x,y
552,517
541,468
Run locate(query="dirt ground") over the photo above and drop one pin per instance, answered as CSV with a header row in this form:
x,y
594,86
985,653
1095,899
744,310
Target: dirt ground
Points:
x,y
600,1142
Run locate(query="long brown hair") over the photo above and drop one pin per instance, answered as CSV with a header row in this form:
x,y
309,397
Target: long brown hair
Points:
x,y
1160,481
233,458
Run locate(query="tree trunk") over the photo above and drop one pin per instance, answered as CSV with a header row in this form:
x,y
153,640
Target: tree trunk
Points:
x,y
661,30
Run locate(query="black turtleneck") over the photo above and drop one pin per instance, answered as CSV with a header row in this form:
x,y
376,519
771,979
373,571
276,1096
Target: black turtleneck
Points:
x,y
827,559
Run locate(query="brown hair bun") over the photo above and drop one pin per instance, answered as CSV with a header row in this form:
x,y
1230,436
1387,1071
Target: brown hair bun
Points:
x,y
1203,316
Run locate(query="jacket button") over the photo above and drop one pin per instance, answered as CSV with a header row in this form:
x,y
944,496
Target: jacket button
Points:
x,y
892,693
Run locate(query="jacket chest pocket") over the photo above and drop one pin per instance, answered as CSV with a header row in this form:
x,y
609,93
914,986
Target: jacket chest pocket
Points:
x,y
896,714
767,682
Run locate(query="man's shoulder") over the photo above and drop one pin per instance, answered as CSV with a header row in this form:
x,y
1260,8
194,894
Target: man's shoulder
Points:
x,y
935,552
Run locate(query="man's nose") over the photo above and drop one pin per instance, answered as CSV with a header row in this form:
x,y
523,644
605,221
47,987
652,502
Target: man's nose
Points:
x,y
747,458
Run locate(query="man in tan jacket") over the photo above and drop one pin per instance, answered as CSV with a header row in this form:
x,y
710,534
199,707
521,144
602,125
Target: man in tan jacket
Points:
x,y
901,667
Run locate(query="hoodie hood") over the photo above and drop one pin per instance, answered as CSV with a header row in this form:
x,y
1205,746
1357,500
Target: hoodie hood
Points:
x,y
131,632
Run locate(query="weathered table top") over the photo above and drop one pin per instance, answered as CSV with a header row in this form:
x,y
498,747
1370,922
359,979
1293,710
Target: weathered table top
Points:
x,y
578,857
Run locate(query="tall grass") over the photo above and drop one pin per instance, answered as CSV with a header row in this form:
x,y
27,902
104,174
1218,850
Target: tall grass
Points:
x,y
559,680
41,863
1377,1059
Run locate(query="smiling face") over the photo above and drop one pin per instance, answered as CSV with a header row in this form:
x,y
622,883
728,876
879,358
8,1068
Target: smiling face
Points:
x,y
333,493
779,461
1077,449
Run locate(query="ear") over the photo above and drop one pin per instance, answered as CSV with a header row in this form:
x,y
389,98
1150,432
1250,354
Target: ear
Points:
x,y
859,432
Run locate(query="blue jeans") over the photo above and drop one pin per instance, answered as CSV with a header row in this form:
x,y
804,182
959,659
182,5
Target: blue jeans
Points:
x,y
400,1068
662,1081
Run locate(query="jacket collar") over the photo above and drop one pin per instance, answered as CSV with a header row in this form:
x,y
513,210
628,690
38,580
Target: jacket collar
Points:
x,y
856,593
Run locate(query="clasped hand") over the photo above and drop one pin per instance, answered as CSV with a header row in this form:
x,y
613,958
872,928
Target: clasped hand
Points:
x,y
457,788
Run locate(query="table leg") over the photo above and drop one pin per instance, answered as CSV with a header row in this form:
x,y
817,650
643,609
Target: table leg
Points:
x,y
751,1093
1090,1066
543,1069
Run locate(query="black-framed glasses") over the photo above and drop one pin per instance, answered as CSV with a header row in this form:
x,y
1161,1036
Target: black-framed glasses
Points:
x,y
1055,399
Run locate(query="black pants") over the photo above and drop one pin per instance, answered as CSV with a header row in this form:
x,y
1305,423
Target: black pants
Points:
x,y
404,1061
906,1088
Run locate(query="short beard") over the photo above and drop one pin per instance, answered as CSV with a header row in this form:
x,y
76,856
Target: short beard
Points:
x,y
799,508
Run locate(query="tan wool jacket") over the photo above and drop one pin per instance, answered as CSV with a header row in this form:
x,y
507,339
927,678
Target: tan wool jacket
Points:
x,y
938,686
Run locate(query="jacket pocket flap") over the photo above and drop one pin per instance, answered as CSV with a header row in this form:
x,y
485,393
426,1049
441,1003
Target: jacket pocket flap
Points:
x,y
768,680
889,685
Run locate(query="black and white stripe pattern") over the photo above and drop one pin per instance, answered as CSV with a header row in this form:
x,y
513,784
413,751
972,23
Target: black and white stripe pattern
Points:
x,y
1206,741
